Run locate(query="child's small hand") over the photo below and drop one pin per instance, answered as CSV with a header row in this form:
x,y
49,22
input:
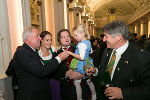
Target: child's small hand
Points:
x,y
90,71
69,52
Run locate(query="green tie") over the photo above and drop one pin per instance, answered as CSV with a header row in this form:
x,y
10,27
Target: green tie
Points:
x,y
111,63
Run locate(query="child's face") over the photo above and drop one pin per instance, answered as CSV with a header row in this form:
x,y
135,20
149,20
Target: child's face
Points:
x,y
79,36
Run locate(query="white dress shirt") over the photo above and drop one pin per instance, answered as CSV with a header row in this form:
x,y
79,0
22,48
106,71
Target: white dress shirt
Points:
x,y
119,52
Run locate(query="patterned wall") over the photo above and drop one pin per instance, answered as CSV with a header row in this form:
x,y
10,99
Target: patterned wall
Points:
x,y
34,13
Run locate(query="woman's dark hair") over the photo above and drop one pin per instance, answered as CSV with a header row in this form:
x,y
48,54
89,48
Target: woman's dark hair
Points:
x,y
59,34
44,33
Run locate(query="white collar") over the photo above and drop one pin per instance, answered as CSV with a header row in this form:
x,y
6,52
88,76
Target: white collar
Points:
x,y
32,48
122,49
65,47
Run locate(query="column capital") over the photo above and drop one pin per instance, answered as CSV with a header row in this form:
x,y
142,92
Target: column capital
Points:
x,y
148,17
137,23
142,21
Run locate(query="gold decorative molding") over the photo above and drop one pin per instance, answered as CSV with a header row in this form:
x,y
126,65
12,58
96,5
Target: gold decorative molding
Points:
x,y
141,11
34,13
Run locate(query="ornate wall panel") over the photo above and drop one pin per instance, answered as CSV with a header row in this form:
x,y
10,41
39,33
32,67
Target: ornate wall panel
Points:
x,y
34,13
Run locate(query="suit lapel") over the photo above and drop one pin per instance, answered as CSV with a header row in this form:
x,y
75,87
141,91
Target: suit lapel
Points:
x,y
105,59
108,54
104,76
32,51
59,51
123,63
28,48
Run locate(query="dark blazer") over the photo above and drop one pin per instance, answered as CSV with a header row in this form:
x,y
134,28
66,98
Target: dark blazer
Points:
x,y
147,45
67,88
132,73
97,55
32,74
11,73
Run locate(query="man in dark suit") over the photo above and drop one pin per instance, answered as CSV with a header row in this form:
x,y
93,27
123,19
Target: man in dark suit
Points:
x,y
67,88
147,45
128,77
30,70
11,73
97,57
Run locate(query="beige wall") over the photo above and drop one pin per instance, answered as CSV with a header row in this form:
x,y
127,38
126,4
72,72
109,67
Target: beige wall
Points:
x,y
48,18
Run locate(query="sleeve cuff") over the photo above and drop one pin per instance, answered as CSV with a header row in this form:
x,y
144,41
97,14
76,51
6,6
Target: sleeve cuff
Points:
x,y
96,72
58,59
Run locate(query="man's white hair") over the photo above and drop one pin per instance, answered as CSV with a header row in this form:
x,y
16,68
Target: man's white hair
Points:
x,y
27,31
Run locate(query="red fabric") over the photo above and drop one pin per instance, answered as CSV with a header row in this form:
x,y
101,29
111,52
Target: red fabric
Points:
x,y
71,82
68,60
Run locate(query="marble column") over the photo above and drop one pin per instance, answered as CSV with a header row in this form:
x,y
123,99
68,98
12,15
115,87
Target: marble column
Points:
x,y
95,33
84,20
141,28
146,27
149,27
89,28
74,17
14,16
135,28
55,16
26,12
5,52
71,20
93,30
5,43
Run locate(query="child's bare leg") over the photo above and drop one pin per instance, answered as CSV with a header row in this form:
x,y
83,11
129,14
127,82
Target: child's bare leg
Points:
x,y
78,89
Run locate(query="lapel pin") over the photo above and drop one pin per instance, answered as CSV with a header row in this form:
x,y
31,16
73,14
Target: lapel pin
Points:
x,y
118,69
107,85
107,54
142,50
126,62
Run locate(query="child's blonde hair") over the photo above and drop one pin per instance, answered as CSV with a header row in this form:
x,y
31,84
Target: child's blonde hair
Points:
x,y
81,28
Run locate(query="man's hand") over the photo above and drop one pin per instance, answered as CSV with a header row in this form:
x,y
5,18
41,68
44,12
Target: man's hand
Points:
x,y
90,71
74,75
69,52
63,55
113,93
68,74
